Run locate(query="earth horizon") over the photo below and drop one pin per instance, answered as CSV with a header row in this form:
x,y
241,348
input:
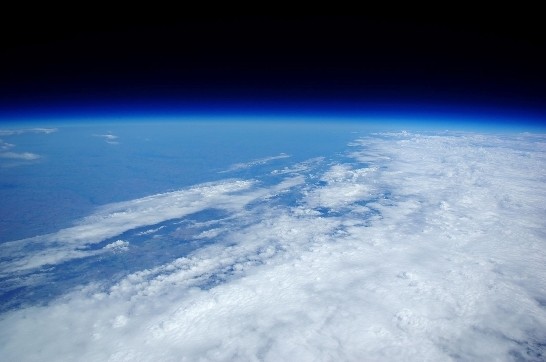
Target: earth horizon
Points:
x,y
271,241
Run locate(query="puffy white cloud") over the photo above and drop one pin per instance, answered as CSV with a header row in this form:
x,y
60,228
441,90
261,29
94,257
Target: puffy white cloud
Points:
x,y
118,246
344,186
438,255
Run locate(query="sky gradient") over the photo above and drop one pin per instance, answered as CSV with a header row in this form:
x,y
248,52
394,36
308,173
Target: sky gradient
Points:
x,y
289,66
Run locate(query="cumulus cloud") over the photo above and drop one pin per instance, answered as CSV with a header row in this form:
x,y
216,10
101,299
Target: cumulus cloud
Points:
x,y
437,255
118,246
343,186
28,156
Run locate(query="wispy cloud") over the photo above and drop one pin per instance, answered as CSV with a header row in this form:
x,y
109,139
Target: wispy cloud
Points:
x,y
438,255
11,132
21,156
28,156
5,145
150,231
109,138
260,161
299,167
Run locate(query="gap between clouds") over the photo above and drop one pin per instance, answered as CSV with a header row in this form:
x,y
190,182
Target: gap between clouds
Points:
x,y
114,219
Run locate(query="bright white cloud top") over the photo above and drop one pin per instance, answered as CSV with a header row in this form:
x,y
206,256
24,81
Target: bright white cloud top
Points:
x,y
425,247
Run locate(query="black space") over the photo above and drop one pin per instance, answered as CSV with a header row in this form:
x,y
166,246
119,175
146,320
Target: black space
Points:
x,y
352,60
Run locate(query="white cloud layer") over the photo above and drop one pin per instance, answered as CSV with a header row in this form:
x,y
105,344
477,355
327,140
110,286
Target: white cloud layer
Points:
x,y
438,255
344,186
